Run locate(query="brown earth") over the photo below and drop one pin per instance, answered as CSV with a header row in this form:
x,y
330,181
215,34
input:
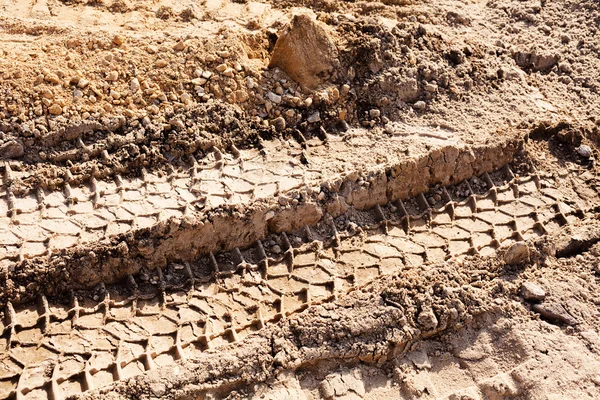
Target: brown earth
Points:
x,y
299,199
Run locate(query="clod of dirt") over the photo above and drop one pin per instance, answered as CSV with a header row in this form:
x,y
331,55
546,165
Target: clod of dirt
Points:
x,y
535,61
516,254
532,292
11,149
305,51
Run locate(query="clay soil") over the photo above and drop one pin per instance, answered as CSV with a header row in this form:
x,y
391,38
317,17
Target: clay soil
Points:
x,y
277,199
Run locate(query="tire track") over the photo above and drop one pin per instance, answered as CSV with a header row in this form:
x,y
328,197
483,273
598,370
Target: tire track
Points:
x,y
158,317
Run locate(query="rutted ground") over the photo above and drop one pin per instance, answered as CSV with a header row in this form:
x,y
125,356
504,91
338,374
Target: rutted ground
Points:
x,y
283,199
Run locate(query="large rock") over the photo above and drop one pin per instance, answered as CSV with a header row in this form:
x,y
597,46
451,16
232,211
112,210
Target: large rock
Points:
x,y
305,51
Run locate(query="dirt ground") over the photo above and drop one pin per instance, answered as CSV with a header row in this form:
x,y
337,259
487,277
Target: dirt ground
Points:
x,y
323,199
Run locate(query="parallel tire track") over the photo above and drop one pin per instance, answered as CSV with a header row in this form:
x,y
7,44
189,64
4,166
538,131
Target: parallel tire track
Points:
x,y
52,350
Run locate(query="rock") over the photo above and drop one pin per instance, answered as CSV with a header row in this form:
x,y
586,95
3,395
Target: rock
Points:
x,y
55,109
118,40
532,292
179,46
112,76
315,117
52,78
419,105
279,124
374,113
305,51
517,253
535,61
585,151
275,98
134,85
11,149
554,312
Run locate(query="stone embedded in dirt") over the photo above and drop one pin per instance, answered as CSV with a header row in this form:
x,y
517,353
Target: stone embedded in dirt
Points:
x,y
278,123
11,149
305,51
517,253
584,151
532,292
55,109
535,61
554,312
420,359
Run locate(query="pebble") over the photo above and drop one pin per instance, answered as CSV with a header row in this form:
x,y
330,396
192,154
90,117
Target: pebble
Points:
x,y
517,253
112,76
584,151
532,292
118,40
186,98
221,67
179,46
374,113
278,124
52,78
83,83
206,74
134,85
161,63
315,117
419,105
55,109
275,98
276,249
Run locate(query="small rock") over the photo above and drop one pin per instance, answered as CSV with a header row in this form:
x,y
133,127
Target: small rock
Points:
x,y
221,67
419,105
517,253
118,40
276,249
279,124
554,312
83,83
584,151
11,149
532,292
275,98
55,109
374,113
241,96
315,117
52,78
179,46
112,76
134,85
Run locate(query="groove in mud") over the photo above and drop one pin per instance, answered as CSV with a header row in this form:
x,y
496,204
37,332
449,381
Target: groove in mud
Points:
x,y
157,317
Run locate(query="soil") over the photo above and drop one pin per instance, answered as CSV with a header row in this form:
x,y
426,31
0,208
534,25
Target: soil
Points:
x,y
299,199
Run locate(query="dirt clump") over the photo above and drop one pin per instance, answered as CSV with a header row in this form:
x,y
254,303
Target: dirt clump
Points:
x,y
305,52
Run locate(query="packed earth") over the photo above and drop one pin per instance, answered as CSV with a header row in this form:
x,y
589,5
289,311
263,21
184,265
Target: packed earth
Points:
x,y
309,199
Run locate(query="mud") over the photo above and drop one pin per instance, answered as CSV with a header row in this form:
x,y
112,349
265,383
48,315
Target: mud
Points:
x,y
338,200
